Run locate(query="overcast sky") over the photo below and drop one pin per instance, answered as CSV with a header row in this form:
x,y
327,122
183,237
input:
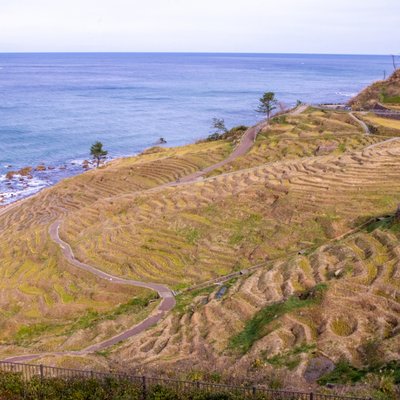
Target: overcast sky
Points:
x,y
279,26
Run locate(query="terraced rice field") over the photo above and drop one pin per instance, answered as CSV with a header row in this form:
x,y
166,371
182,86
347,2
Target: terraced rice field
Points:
x,y
360,303
382,126
46,304
313,133
274,207
193,232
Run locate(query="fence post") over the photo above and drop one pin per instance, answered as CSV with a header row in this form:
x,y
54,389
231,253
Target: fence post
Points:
x,y
144,388
41,393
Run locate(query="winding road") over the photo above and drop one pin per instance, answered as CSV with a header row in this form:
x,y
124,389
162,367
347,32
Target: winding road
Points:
x,y
168,300
165,293
361,123
166,305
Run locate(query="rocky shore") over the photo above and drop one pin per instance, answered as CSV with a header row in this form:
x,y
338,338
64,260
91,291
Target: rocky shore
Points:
x,y
16,184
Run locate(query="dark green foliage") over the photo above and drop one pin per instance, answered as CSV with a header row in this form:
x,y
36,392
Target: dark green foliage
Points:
x,y
384,98
267,104
92,318
280,119
291,358
344,373
219,125
97,152
385,223
214,136
230,135
13,387
257,327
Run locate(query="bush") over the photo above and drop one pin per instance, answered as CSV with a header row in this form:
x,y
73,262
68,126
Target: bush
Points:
x,y
256,327
232,134
13,387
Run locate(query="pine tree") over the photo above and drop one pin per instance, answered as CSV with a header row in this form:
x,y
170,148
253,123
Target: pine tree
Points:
x,y
267,104
98,153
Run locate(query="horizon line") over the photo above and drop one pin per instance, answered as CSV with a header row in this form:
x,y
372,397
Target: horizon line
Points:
x,y
199,52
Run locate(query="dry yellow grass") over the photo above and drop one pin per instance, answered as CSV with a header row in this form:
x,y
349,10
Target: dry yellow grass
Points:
x,y
353,311
393,125
313,133
125,220
42,297
193,232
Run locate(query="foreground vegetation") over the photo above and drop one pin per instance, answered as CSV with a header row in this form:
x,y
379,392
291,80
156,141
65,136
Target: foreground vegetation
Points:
x,y
13,386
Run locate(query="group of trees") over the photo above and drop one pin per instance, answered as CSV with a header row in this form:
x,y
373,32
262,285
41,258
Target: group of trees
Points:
x,y
267,104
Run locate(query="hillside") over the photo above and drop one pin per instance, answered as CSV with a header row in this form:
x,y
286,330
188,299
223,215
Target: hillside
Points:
x,y
46,303
386,92
318,283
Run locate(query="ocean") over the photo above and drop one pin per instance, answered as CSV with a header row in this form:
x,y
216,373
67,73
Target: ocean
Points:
x,y
54,106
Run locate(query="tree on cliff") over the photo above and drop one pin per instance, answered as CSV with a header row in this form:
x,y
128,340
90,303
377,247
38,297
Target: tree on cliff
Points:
x,y
219,125
267,104
98,153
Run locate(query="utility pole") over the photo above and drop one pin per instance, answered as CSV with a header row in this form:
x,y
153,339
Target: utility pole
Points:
x,y
394,62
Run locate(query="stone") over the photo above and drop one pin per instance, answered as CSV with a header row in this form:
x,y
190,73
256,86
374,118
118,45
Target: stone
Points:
x,y
10,174
325,149
25,171
318,367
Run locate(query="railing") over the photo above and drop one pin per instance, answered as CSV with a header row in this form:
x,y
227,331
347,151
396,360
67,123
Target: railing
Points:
x,y
145,387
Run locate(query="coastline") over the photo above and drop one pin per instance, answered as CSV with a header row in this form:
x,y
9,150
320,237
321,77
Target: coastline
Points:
x,y
64,172
12,204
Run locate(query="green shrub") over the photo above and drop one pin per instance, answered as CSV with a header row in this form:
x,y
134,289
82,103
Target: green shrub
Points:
x,y
13,387
255,328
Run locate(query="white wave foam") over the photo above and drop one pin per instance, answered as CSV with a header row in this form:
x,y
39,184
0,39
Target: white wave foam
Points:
x,y
346,94
11,190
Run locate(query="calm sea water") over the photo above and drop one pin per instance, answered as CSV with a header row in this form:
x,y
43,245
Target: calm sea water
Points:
x,y
54,106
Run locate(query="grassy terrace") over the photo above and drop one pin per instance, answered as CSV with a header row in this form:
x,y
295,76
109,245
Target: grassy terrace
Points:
x,y
332,300
44,300
382,126
295,137
188,234
307,180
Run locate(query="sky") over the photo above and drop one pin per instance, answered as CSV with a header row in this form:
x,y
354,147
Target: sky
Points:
x,y
250,26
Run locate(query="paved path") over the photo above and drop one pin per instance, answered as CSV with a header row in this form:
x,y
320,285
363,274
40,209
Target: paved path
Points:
x,y
299,109
241,149
166,305
371,146
168,300
245,144
361,123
